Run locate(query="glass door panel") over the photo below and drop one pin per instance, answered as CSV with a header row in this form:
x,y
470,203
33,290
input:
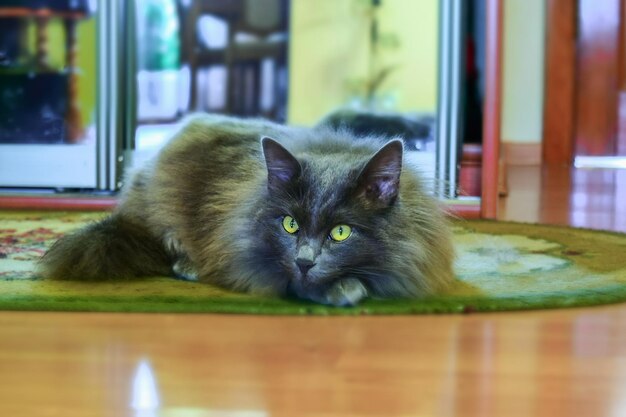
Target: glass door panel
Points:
x,y
48,93
371,66
88,88
227,57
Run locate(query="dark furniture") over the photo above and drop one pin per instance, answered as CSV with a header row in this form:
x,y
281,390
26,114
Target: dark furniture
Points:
x,y
263,21
40,103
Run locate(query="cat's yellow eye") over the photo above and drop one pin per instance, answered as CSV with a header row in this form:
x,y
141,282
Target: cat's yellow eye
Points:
x,y
340,233
290,225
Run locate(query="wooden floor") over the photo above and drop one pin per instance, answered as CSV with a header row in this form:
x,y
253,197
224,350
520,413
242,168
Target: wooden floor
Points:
x,y
592,198
546,363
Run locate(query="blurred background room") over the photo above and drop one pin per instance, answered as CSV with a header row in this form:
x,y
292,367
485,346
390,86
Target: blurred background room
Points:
x,y
90,88
512,109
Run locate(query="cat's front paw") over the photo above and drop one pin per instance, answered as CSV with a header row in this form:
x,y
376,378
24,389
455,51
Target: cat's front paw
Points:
x,y
184,269
345,293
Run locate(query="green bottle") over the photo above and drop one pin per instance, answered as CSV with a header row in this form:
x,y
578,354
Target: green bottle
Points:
x,y
158,79
162,40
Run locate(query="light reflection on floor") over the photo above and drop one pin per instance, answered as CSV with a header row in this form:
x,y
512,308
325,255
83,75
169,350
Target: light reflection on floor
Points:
x,y
590,198
145,400
145,396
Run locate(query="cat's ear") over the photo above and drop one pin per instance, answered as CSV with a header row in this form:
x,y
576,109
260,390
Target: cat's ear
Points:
x,y
379,181
282,167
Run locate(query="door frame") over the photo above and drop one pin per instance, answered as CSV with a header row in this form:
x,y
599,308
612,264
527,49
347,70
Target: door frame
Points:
x,y
560,83
562,86
492,109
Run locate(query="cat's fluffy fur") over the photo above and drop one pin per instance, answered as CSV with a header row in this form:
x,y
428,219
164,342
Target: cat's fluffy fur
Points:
x,y
211,205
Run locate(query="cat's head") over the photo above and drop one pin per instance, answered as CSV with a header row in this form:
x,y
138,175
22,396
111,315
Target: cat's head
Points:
x,y
326,212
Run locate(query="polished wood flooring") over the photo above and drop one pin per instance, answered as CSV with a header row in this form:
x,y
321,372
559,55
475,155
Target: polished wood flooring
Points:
x,y
543,363
591,198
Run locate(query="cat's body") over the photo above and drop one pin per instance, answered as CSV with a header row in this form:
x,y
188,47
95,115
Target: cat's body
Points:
x,y
216,204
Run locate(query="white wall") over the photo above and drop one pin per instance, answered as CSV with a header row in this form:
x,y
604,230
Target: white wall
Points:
x,y
523,71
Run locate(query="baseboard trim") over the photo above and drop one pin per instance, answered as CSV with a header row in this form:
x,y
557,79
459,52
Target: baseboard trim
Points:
x,y
521,154
85,203
463,211
471,171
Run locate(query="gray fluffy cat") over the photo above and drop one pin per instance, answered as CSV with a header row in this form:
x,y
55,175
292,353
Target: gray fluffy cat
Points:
x,y
312,213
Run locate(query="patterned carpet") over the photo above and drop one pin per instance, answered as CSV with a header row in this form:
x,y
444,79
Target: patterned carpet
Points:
x,y
500,266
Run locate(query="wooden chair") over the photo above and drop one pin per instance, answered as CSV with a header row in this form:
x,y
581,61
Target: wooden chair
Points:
x,y
264,23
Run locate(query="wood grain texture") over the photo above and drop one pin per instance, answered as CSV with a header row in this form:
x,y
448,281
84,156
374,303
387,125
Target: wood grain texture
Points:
x,y
558,363
492,109
521,153
542,363
621,72
22,12
560,82
621,112
75,130
42,43
470,172
90,203
621,125
597,78
463,211
589,198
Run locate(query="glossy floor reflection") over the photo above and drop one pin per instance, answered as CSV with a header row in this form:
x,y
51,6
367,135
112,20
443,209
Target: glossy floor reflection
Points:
x,y
540,363
544,363
591,198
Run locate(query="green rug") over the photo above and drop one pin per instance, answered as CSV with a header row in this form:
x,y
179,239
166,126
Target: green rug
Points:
x,y
500,266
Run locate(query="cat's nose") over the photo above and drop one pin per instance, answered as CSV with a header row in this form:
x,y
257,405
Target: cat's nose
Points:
x,y
304,264
305,258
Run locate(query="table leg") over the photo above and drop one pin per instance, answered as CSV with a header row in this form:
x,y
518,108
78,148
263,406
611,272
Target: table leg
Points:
x,y
42,42
74,124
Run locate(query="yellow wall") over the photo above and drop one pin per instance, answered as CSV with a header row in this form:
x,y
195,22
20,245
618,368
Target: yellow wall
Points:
x,y
417,24
87,62
329,48
86,34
